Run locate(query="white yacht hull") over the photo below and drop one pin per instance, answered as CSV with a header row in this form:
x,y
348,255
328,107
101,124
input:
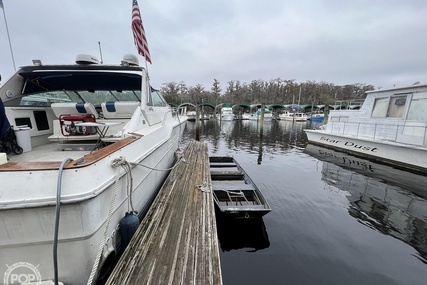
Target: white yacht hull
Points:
x,y
27,227
408,156
110,155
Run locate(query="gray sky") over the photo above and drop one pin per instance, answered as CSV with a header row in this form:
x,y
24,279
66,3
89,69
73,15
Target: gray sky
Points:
x,y
381,42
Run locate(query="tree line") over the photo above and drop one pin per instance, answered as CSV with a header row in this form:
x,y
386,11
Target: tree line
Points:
x,y
275,91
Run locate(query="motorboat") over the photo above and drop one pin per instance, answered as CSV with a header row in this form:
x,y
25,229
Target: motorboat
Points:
x,y
191,115
390,127
256,116
96,142
246,116
293,116
226,112
316,117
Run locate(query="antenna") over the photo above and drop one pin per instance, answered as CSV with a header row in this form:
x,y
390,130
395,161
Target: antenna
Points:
x,y
8,36
100,52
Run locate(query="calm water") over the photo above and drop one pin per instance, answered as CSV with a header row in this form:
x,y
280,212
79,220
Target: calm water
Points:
x,y
335,219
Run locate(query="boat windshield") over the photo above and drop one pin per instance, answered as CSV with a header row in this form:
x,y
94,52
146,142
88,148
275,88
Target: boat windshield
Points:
x,y
95,97
42,88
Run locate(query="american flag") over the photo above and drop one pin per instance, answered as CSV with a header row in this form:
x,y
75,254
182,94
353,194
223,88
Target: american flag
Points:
x,y
138,32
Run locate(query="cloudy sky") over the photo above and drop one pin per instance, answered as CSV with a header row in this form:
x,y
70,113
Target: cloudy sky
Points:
x,y
381,42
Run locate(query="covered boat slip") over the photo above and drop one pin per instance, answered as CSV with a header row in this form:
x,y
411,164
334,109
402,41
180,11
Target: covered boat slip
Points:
x,y
234,192
176,243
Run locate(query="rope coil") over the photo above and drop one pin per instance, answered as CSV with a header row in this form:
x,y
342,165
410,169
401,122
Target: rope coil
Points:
x,y
204,187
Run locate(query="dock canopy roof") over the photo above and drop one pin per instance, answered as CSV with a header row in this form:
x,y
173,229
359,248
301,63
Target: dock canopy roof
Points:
x,y
275,106
308,106
246,106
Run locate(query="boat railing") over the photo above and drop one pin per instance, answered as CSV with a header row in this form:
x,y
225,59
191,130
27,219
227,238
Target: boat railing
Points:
x,y
352,104
409,133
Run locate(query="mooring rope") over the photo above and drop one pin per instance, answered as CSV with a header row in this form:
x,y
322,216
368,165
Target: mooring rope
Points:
x,y
121,161
204,187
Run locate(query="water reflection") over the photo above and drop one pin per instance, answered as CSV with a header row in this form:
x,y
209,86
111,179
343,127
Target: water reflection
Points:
x,y
240,233
388,200
277,136
335,219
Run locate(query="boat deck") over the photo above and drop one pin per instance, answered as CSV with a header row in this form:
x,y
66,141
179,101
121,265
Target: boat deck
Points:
x,y
177,242
49,156
53,151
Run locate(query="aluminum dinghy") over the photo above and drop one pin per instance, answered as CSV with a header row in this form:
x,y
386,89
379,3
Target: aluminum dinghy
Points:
x,y
234,191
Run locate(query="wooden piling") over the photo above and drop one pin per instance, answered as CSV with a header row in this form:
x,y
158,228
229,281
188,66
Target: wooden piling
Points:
x,y
176,242
197,123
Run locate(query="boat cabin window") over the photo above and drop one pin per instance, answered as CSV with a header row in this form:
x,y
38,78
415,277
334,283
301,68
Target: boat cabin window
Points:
x,y
396,108
339,119
418,107
393,107
380,108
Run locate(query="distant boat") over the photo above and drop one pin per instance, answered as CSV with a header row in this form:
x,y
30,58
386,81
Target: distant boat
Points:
x,y
191,115
268,115
246,116
316,117
293,116
390,127
226,112
234,191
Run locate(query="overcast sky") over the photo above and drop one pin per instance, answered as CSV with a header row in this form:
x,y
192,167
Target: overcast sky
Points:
x,y
381,42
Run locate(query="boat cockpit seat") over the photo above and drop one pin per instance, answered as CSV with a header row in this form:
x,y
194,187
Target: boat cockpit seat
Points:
x,y
119,110
73,109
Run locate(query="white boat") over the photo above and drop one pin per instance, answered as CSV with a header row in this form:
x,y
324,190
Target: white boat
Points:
x,y
103,149
290,116
390,127
246,116
316,117
227,113
191,115
268,115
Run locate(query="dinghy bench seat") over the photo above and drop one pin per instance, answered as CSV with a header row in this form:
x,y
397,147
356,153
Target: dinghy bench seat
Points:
x,y
119,110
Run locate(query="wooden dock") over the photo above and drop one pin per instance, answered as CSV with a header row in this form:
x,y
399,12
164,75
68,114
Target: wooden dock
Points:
x,y
176,243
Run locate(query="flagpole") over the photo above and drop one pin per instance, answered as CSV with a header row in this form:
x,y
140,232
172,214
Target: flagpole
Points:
x,y
8,36
146,65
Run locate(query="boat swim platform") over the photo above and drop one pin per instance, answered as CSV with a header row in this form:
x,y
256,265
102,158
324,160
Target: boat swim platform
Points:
x,y
176,242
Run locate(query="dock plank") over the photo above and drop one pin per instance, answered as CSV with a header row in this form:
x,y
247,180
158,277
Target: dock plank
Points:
x,y
176,242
